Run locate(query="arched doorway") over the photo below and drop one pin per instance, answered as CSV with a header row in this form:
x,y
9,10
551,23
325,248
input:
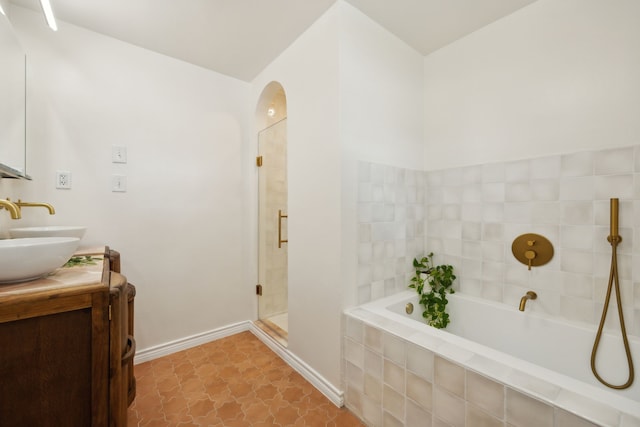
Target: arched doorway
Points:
x,y
273,212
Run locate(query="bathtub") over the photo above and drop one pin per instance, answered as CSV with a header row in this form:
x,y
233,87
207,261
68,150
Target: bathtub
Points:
x,y
535,354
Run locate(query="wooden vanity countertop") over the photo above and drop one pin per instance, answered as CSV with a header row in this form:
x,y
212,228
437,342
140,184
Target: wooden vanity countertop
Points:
x,y
63,280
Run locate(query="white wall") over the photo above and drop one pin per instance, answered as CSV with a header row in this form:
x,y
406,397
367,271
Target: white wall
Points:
x,y
381,113
179,227
353,92
308,72
554,77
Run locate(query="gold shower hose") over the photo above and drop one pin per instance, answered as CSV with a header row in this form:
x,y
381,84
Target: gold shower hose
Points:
x,y
614,239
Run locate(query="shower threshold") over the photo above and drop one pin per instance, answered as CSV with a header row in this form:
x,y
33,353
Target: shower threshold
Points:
x,y
276,327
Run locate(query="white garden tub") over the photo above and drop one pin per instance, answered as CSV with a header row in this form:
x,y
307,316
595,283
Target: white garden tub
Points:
x,y
539,355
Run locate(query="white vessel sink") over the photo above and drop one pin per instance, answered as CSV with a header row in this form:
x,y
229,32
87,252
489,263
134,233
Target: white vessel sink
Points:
x,y
49,231
27,259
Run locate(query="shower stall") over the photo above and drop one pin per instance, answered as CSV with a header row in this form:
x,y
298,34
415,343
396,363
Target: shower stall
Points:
x,y
273,220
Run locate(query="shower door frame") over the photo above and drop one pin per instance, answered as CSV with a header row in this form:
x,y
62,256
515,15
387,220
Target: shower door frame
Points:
x,y
272,223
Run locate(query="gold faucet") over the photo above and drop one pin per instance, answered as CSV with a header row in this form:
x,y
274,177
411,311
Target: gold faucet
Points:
x,y
13,209
523,301
50,208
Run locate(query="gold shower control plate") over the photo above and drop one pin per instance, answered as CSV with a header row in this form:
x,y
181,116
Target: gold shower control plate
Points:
x,y
533,250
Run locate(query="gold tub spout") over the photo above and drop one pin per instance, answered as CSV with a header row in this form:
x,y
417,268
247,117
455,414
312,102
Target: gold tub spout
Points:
x,y
13,209
49,207
523,301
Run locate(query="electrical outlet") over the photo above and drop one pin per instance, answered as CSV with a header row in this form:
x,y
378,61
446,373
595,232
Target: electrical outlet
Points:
x,y
119,183
63,180
118,154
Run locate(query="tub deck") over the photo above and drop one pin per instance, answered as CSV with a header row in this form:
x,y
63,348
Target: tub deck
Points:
x,y
557,378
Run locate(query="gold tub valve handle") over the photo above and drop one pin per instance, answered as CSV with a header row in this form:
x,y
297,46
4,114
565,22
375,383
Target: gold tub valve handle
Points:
x,y
523,251
530,254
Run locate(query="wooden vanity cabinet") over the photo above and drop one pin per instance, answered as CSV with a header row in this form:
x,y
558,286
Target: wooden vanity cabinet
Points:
x,y
123,345
66,352
54,360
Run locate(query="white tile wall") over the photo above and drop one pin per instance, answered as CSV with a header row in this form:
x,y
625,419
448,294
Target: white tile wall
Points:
x,y
470,216
391,231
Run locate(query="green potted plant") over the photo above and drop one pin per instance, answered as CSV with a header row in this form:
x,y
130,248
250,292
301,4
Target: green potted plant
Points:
x,y
433,283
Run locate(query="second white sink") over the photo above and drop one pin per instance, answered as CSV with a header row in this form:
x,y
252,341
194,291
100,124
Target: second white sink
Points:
x,y
48,231
27,259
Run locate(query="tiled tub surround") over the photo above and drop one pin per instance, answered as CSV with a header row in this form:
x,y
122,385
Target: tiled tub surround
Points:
x,y
469,217
401,372
391,222
472,214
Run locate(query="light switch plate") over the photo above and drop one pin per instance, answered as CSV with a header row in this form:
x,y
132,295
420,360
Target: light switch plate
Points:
x,y
118,183
118,154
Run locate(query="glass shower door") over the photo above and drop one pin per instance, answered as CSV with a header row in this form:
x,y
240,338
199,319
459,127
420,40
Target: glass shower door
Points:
x,y
272,227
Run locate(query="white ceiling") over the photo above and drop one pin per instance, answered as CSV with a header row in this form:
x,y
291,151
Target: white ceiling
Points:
x,y
240,37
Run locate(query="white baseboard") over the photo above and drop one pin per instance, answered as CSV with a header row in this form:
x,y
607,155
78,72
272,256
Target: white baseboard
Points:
x,y
188,342
332,393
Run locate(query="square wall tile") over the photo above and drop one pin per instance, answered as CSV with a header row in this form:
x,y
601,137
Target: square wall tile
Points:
x,y
439,423
524,411
566,419
452,177
493,192
394,349
472,175
377,173
416,416
449,408
353,400
576,213
545,212
478,418
373,388
545,167
420,391
354,352
472,193
629,421
577,309
518,171
420,361
364,172
577,164
394,376
576,237
354,329
574,261
354,376
373,363
393,402
493,172
517,212
545,189
486,394
371,412
609,186
389,420
576,188
518,192
615,161
449,376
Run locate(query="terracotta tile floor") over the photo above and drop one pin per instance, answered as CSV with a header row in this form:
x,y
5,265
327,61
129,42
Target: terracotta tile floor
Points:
x,y
234,381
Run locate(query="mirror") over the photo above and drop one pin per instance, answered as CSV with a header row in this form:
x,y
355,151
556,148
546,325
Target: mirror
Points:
x,y
12,103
